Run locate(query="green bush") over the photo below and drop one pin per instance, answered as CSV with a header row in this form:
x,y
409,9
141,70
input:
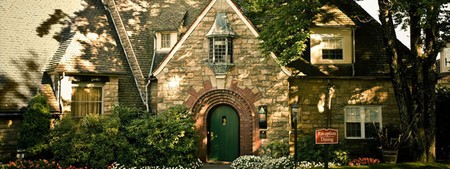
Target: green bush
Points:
x,y
167,139
130,137
94,141
275,149
35,128
308,150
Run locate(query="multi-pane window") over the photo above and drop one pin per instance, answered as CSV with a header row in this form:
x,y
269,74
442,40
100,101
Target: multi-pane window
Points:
x,y
362,121
332,48
221,50
165,40
86,100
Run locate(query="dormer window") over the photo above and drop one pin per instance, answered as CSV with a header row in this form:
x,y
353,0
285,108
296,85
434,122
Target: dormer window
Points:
x,y
332,48
331,45
221,50
220,38
165,40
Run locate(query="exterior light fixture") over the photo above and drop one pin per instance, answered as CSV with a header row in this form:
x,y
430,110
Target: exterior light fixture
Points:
x,y
262,117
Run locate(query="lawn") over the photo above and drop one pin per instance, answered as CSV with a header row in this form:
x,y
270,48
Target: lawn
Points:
x,y
411,165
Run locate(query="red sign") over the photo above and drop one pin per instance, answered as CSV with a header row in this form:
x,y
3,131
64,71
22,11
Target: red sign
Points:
x,y
326,136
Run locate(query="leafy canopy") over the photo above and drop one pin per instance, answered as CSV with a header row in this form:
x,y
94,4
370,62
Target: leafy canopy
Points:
x,y
283,25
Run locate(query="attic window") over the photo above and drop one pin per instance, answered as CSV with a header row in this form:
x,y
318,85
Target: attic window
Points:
x,y
221,50
332,48
221,44
165,40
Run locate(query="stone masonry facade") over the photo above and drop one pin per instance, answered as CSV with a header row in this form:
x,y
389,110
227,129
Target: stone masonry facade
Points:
x,y
348,92
253,81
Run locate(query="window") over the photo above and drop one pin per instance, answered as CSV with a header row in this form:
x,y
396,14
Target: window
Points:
x,y
165,40
331,45
221,50
446,56
86,99
360,120
332,48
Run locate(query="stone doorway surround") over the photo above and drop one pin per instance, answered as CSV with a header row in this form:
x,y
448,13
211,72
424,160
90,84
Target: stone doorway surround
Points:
x,y
202,102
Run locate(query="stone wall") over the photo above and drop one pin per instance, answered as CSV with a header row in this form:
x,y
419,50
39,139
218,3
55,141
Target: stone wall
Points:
x,y
259,80
9,134
348,91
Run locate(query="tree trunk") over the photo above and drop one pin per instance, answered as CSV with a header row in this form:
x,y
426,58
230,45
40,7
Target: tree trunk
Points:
x,y
422,100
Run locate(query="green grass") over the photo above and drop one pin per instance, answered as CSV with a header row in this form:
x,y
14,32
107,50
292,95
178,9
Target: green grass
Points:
x,y
411,165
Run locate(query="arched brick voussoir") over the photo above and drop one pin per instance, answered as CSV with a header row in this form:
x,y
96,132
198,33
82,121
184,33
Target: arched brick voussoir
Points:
x,y
245,109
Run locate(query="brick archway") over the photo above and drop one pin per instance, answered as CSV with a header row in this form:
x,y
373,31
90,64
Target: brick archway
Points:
x,y
242,102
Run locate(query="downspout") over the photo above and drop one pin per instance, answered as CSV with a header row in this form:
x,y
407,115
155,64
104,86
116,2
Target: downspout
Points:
x,y
59,93
353,52
150,74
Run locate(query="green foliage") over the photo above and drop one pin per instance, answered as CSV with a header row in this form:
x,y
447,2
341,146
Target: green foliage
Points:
x,y
169,134
276,149
95,141
309,151
284,26
129,137
35,128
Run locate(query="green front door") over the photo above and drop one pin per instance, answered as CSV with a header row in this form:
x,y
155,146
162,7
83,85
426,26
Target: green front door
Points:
x,y
223,134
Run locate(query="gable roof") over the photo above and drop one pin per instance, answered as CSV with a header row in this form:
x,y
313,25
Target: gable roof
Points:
x,y
196,23
331,16
369,50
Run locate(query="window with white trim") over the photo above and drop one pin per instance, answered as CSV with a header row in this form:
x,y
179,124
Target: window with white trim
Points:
x,y
165,40
446,56
331,45
361,121
332,48
87,98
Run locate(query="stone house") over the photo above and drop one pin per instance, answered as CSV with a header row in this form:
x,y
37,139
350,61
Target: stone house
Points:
x,y
204,54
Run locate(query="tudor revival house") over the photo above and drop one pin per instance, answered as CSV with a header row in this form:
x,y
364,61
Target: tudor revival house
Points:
x,y
205,55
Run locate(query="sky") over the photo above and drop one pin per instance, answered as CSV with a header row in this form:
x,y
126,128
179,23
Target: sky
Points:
x,y
371,6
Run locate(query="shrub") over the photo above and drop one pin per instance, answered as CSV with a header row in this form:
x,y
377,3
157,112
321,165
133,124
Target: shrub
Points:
x,y
129,137
95,141
36,164
308,150
276,149
170,135
35,128
247,162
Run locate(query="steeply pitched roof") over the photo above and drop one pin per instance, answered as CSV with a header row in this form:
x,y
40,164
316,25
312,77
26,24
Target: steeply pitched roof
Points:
x,y
143,18
331,16
218,4
23,54
370,56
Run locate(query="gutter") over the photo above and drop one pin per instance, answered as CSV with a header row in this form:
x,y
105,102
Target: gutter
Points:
x,y
353,52
150,73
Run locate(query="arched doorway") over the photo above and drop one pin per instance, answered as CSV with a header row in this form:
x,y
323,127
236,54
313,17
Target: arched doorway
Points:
x,y
223,134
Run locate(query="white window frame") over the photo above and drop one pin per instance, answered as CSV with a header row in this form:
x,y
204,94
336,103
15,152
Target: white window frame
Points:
x,y
94,85
320,34
362,119
446,57
173,40
340,46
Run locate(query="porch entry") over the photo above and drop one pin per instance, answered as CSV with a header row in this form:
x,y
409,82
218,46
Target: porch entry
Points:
x,y
223,134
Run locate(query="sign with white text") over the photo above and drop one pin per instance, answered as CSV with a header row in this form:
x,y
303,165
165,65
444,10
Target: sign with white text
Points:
x,y
326,136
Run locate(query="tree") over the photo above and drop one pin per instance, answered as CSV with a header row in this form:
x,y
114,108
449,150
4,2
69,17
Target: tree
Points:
x,y
429,31
285,34
35,128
